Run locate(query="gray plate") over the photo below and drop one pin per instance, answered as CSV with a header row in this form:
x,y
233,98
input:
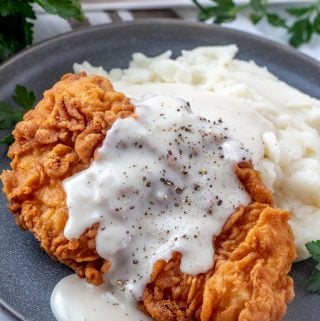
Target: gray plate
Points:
x,y
27,274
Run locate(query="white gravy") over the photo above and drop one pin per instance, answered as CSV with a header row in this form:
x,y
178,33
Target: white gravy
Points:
x,y
152,191
238,116
74,299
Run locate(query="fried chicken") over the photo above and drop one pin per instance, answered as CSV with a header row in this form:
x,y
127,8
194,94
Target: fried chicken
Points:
x,y
54,141
253,253
249,281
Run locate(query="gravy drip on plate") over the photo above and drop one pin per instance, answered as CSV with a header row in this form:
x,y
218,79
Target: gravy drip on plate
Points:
x,y
74,299
161,182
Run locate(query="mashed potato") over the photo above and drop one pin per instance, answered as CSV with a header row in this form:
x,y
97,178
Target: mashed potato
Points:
x,y
284,128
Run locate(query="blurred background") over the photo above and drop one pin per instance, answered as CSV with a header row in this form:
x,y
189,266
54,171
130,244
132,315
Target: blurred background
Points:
x,y
293,22
278,20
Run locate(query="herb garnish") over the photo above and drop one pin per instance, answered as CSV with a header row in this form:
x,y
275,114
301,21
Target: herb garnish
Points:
x,y
306,20
16,16
10,116
313,284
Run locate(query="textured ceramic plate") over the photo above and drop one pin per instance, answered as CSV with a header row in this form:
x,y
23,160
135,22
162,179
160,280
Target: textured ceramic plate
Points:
x,y
27,274
156,4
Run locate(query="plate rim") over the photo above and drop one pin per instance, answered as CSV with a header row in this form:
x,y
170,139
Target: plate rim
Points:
x,y
11,310
161,21
290,51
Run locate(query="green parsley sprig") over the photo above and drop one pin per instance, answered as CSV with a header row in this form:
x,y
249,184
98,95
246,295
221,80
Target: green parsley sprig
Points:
x,y
306,19
313,284
9,116
16,21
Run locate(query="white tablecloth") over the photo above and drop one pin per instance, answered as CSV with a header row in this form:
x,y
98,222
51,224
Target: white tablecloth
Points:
x,y
47,26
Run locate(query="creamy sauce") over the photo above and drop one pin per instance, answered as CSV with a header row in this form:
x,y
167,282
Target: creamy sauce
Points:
x,y
73,299
162,182
237,114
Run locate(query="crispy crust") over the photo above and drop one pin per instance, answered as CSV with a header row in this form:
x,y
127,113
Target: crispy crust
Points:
x,y
249,281
54,141
59,138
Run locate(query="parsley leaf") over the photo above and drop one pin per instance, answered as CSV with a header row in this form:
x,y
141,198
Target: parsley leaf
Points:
x,y
255,18
7,140
223,11
259,6
16,21
313,284
24,98
306,20
10,116
298,12
313,248
15,30
22,7
316,23
275,20
63,8
301,32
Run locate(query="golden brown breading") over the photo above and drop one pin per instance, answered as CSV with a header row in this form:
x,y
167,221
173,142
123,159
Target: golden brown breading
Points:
x,y
59,137
249,280
55,140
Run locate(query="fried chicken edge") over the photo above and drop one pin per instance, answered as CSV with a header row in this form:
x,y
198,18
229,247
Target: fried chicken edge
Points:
x,y
59,138
54,141
249,280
